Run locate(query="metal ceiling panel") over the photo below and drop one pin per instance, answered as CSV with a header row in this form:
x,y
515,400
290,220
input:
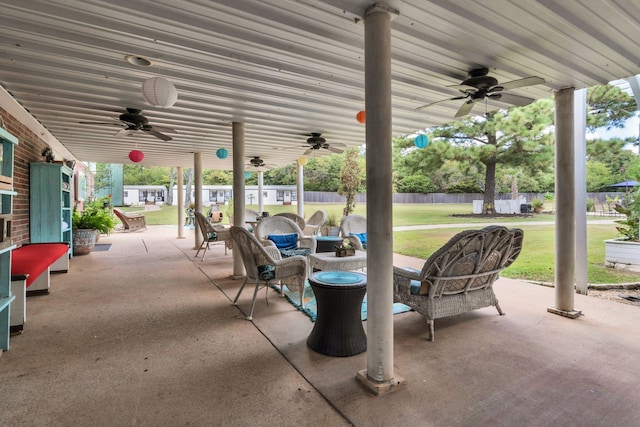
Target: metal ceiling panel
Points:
x,y
287,68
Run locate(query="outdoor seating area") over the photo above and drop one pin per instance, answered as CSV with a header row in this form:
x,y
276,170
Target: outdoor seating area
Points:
x,y
147,349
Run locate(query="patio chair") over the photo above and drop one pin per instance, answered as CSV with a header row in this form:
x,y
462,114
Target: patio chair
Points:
x,y
315,221
131,222
354,228
212,234
285,235
459,276
293,217
264,265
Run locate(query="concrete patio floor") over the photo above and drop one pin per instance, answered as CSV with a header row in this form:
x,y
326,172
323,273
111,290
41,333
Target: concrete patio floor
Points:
x,y
145,334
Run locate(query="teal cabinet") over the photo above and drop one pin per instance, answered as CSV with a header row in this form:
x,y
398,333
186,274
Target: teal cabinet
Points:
x,y
50,203
7,143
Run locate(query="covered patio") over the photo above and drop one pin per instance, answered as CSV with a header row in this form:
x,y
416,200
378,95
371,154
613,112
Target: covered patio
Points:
x,y
256,78
145,334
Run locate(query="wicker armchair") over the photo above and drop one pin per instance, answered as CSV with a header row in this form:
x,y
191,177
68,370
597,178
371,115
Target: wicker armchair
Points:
x,y
131,222
293,217
212,234
315,221
263,264
459,276
280,225
352,225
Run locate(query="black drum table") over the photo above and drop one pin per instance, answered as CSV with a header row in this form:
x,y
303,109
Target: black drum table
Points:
x,y
338,330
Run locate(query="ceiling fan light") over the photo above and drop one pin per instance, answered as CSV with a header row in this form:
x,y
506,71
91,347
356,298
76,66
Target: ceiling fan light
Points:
x,y
222,153
136,156
159,92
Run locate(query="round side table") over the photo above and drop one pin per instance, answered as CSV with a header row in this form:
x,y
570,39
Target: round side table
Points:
x,y
338,330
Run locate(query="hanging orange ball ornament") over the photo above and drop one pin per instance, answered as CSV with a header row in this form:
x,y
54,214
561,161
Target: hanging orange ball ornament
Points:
x,y
361,117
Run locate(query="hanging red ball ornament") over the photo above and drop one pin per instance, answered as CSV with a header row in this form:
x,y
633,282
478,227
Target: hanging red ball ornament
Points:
x,y
136,156
361,117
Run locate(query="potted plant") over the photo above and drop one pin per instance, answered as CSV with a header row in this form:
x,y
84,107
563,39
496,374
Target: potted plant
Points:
x,y
93,218
537,205
624,252
345,249
330,226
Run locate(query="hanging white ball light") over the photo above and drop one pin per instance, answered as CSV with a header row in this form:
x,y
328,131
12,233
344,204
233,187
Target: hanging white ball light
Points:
x,y
159,92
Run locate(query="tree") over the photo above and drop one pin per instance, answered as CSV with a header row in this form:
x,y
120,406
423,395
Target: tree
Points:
x,y
518,137
350,179
608,106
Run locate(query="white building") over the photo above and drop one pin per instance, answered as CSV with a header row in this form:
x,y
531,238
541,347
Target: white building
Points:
x,y
220,194
144,195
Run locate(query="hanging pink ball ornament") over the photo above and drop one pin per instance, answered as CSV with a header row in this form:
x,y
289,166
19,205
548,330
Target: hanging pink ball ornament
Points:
x,y
136,156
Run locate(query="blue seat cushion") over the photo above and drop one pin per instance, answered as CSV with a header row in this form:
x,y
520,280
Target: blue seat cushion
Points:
x,y
286,253
284,241
267,272
362,237
414,287
211,236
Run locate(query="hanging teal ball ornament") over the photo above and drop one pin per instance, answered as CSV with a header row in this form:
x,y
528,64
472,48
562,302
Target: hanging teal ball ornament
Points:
x,y
421,141
247,175
222,153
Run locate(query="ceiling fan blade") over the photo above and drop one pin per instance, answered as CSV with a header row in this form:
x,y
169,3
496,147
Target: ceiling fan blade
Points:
x,y
510,98
101,123
334,149
514,84
123,132
158,134
163,129
455,98
309,151
465,108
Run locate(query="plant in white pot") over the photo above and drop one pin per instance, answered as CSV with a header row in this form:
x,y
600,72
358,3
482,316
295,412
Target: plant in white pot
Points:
x,y
624,252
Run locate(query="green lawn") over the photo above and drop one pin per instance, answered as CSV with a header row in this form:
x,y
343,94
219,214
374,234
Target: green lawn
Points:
x,y
536,262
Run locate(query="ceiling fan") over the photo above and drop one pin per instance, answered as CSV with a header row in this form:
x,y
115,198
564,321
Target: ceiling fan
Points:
x,y
480,86
257,162
316,142
132,121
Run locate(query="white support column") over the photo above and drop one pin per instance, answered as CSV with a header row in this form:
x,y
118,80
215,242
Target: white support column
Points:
x,y
180,202
565,206
197,198
260,191
379,377
580,141
300,188
238,190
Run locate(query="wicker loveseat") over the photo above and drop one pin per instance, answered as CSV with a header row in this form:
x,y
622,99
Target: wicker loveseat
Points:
x,y
459,276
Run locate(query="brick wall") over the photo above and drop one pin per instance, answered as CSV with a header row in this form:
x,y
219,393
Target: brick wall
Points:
x,y
28,150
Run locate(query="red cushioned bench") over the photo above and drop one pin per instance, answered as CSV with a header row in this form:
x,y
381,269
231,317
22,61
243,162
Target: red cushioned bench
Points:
x,y
31,266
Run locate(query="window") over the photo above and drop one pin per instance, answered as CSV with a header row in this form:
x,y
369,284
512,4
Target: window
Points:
x,y
126,193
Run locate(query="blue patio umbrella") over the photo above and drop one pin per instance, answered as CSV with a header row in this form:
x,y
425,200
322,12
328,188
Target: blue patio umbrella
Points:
x,y
625,184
